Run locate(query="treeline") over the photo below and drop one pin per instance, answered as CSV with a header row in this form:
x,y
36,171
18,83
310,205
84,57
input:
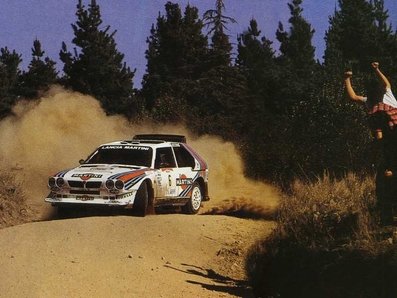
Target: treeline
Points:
x,y
285,110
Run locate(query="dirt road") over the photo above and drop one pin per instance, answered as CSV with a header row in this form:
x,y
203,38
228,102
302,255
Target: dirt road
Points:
x,y
167,255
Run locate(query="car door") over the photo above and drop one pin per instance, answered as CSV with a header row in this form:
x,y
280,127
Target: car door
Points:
x,y
166,175
185,173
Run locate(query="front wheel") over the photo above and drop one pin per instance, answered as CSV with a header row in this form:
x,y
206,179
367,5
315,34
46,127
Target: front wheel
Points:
x,y
194,203
141,200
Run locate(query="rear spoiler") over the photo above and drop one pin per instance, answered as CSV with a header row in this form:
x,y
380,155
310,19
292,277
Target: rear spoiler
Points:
x,y
161,137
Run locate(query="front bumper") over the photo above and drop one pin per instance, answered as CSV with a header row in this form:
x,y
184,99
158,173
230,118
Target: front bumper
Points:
x,y
126,199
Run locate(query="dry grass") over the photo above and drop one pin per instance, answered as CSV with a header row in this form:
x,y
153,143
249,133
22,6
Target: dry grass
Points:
x,y
328,213
13,208
327,244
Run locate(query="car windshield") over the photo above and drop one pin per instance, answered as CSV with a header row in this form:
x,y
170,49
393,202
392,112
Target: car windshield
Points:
x,y
122,154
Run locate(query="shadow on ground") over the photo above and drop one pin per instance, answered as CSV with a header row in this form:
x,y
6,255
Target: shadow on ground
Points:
x,y
81,211
216,282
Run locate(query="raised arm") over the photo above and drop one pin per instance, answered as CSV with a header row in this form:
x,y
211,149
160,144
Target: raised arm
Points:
x,y
375,66
350,90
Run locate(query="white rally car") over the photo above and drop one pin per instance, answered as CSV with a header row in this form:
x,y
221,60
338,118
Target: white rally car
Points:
x,y
147,171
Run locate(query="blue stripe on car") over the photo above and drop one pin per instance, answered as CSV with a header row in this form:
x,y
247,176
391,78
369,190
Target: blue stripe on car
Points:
x,y
134,181
62,173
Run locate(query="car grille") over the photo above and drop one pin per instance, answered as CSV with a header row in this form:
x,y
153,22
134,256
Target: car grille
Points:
x,y
85,184
84,192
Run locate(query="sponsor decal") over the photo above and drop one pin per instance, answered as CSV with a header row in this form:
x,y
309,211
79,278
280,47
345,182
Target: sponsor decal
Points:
x,y
158,179
128,147
187,188
184,181
87,176
113,202
112,147
136,148
123,196
84,198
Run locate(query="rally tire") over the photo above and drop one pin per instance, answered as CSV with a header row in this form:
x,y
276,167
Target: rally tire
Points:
x,y
194,203
141,201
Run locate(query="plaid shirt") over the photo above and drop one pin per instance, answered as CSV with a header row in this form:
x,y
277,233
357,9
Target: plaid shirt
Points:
x,y
390,111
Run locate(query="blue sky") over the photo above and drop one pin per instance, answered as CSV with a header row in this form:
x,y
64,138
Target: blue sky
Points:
x,y
50,21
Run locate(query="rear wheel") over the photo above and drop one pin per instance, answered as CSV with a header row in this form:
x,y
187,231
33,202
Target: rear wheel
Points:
x,y
193,206
141,200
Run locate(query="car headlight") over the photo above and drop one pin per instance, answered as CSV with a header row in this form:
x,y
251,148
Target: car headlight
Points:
x,y
119,184
60,182
109,184
51,182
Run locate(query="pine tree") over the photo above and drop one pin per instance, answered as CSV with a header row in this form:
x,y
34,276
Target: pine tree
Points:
x,y
254,51
387,39
286,130
40,75
297,61
217,22
9,75
98,68
256,58
296,45
359,34
176,58
219,103
221,98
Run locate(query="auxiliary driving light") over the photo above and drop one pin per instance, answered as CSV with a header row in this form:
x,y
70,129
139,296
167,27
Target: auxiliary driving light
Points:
x,y
51,182
109,184
119,184
60,182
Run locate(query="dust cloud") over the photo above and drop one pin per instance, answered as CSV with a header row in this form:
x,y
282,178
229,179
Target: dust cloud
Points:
x,y
53,133
230,191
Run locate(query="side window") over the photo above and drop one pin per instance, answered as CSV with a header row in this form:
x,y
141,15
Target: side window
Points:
x,y
164,158
183,157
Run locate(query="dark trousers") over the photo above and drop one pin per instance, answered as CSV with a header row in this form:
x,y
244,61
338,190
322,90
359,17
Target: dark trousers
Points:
x,y
386,186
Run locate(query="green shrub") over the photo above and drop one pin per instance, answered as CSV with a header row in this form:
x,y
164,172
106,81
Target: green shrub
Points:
x,y
326,244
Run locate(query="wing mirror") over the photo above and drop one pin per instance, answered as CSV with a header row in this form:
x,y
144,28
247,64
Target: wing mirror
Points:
x,y
81,161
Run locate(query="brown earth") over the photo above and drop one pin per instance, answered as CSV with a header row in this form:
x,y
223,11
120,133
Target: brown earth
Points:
x,y
167,255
